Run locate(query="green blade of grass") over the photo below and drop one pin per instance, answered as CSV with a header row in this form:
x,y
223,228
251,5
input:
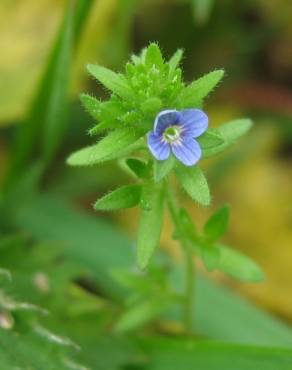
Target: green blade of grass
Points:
x,y
46,121
171,354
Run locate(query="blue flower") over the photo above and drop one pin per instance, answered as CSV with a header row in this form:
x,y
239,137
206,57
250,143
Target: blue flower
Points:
x,y
175,131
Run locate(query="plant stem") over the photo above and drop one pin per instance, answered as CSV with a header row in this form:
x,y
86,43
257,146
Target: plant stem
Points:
x,y
189,264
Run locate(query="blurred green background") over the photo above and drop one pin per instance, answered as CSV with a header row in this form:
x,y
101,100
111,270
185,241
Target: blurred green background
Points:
x,y
251,40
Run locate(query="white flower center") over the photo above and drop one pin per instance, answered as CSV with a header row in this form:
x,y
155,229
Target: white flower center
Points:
x,y
172,134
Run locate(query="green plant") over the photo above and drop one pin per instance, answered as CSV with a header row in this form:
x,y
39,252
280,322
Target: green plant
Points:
x,y
148,86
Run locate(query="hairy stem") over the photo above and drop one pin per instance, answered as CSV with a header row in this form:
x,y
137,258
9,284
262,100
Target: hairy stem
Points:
x,y
189,263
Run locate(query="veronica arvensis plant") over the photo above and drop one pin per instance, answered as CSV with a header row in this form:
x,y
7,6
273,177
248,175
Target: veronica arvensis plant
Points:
x,y
154,125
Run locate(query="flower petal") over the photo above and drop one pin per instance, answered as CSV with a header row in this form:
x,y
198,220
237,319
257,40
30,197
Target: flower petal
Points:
x,y
194,122
188,151
159,148
165,119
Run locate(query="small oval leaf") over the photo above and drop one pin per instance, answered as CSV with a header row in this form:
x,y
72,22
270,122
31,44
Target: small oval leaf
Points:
x,y
194,183
150,224
217,224
107,148
162,168
238,265
230,132
125,197
113,81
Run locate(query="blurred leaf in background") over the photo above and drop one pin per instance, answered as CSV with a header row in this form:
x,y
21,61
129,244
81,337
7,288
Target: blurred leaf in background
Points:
x,y
22,25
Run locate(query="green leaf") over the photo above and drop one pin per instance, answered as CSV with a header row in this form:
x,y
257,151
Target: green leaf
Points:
x,y
238,265
187,225
153,56
194,183
27,350
140,314
217,223
137,167
170,353
174,62
115,82
193,94
233,130
210,139
150,223
230,132
152,105
162,168
210,256
56,117
108,113
102,126
47,120
125,197
92,105
106,149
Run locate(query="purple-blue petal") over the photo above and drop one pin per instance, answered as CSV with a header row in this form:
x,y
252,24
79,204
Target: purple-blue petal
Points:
x,y
165,119
194,122
159,148
188,151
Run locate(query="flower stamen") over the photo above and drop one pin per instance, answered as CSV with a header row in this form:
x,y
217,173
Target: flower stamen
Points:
x,y
172,134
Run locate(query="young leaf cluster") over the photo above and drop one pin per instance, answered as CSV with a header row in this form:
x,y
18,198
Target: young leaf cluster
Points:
x,y
148,85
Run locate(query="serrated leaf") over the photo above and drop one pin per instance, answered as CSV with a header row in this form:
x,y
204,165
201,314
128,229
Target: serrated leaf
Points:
x,y
230,132
150,223
238,265
115,82
125,197
109,115
102,126
210,139
107,148
193,94
174,62
136,59
163,168
217,224
91,105
194,183
153,56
